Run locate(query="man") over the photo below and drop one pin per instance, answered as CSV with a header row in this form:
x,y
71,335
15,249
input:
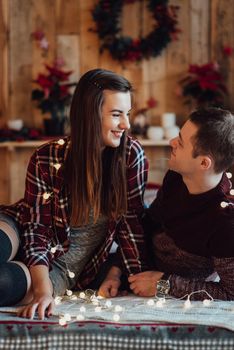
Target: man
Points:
x,y
191,222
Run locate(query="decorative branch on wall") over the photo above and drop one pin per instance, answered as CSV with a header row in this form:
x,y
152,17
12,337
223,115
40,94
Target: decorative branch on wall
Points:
x,y
40,37
107,14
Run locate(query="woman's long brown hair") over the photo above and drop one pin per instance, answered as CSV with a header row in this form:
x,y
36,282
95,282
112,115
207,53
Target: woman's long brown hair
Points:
x,y
96,178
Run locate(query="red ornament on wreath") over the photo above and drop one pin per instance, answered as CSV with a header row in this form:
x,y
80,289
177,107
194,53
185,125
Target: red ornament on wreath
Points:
x,y
107,14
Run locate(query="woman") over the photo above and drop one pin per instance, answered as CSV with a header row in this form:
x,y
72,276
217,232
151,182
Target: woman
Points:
x,y
82,193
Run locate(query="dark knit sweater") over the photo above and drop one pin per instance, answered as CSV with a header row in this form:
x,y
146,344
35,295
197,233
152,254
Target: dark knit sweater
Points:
x,y
193,237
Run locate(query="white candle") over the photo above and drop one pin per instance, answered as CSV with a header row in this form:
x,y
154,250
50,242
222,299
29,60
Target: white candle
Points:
x,y
168,120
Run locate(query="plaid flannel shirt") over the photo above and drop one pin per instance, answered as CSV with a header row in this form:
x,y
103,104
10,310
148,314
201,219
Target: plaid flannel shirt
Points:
x,y
44,212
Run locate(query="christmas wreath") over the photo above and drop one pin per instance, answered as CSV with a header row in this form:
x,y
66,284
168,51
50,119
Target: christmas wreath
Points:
x,y
107,14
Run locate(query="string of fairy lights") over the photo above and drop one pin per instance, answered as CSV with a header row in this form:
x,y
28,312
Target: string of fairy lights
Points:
x,y
225,204
99,304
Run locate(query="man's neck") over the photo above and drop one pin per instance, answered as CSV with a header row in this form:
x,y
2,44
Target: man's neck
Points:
x,y
201,183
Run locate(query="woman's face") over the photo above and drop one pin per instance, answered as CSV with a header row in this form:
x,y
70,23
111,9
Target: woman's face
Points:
x,y
115,116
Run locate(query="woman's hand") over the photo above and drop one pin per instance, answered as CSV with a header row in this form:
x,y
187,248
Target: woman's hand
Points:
x,y
110,286
42,303
144,283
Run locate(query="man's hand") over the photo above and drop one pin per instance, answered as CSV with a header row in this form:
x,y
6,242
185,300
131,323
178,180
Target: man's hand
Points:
x,y
144,283
43,304
110,286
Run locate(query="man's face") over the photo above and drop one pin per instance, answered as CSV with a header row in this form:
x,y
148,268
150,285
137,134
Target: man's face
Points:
x,y
181,159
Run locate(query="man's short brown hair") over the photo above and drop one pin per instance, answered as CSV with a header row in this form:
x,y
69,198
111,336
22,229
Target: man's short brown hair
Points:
x,y
215,136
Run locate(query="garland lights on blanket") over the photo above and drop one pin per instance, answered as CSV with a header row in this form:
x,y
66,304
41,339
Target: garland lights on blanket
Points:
x,y
89,296
99,303
58,246
107,14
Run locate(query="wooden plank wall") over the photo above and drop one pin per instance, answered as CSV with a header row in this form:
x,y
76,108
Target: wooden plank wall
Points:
x,y
222,34
206,26
4,78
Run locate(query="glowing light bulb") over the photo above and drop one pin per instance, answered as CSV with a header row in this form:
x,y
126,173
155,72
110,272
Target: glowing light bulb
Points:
x,y
80,317
57,300
187,304
224,204
150,302
61,142
82,309
69,292
108,303
159,303
206,302
118,308
98,309
46,195
53,250
232,192
67,317
71,274
57,166
229,175
116,317
82,295
62,321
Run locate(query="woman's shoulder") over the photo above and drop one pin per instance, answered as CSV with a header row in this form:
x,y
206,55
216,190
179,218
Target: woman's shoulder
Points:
x,y
134,150
133,145
56,148
59,144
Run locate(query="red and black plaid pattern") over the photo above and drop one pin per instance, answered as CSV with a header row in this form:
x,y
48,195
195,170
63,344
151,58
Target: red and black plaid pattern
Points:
x,y
44,212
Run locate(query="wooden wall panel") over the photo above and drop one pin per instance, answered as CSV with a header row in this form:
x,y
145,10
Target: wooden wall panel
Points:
x,y
20,59
222,35
4,177
177,61
18,163
67,16
4,48
204,25
207,26
68,47
42,19
89,42
199,14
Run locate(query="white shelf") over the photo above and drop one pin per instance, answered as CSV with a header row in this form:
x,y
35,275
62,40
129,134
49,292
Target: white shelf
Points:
x,y
38,143
22,144
147,142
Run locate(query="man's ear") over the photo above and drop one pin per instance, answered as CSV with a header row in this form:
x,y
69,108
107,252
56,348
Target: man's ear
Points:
x,y
206,162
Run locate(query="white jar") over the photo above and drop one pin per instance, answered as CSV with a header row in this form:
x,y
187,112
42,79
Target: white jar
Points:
x,y
155,133
168,120
15,124
171,132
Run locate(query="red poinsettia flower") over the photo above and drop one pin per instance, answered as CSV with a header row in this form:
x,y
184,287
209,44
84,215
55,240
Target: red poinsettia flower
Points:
x,y
44,81
151,103
38,35
204,84
58,73
227,50
55,94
